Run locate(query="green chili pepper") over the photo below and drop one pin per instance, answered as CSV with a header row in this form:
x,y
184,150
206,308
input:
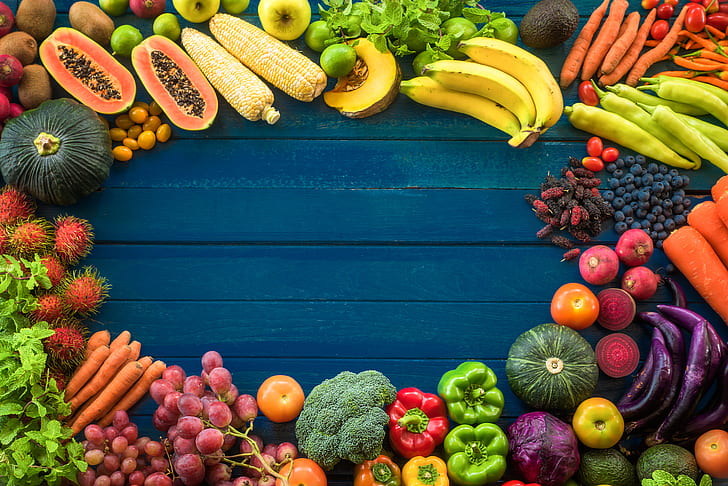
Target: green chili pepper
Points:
x,y
692,137
690,93
631,111
611,126
717,134
719,92
632,93
470,393
476,455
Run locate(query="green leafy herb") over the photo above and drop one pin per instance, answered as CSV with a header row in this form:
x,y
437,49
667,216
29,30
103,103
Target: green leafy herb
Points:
x,y
664,478
35,447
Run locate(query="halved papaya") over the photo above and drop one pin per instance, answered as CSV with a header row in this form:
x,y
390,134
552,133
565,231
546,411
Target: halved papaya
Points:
x,y
87,71
175,82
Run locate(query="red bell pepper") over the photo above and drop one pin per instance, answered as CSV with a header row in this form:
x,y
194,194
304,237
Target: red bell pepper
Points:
x,y
418,422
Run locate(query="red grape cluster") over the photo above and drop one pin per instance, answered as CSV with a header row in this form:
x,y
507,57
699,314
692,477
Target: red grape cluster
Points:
x,y
209,429
117,456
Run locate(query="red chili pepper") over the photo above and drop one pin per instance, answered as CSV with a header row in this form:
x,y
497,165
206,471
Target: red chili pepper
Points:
x,y
418,422
515,482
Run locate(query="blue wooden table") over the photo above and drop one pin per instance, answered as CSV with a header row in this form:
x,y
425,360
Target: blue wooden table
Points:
x,y
399,242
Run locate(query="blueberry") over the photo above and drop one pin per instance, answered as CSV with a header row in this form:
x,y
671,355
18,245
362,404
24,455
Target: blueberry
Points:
x,y
658,226
640,159
658,243
608,195
686,180
676,199
664,169
620,191
619,163
661,235
614,183
678,181
661,218
673,172
669,224
619,216
636,169
630,187
654,201
667,213
653,234
640,213
627,197
636,225
647,179
618,203
658,177
678,209
629,160
667,204
651,217
610,167
658,187
645,224
620,227
644,205
643,195
687,203
679,192
628,211
628,178
680,219
657,210
653,168
619,173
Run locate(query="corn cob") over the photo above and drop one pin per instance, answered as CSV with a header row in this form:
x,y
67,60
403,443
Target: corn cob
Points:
x,y
284,67
245,92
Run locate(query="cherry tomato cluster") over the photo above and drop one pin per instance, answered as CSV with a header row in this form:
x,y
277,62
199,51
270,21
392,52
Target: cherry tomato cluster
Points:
x,y
598,154
700,13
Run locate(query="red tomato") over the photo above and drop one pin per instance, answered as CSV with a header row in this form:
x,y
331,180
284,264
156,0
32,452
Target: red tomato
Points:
x,y
649,4
587,94
280,398
574,305
695,18
594,146
665,11
305,473
672,2
659,29
719,20
610,154
711,452
594,164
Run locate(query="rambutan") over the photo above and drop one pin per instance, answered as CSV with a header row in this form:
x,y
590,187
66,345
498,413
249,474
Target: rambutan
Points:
x,y
83,291
4,240
56,270
15,205
66,347
73,238
51,307
30,236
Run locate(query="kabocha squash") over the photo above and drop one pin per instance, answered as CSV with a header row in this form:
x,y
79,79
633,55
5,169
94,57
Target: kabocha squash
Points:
x,y
57,153
87,71
552,367
175,82
371,86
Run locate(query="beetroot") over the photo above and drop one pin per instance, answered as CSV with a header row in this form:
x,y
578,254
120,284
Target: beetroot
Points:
x,y
147,9
7,19
617,309
599,265
634,247
11,70
617,355
640,282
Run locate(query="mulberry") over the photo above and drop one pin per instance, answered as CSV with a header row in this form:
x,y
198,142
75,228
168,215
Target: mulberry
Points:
x,y
552,192
562,242
578,214
545,232
540,206
571,254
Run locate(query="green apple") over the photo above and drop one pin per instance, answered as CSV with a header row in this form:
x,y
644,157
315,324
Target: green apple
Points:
x,y
114,8
235,7
196,11
284,19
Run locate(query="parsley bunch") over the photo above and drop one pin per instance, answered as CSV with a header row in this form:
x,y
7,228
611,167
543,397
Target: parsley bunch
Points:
x,y
35,447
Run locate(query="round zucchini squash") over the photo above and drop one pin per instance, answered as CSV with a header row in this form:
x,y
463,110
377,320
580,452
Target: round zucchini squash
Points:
x,y
552,367
57,153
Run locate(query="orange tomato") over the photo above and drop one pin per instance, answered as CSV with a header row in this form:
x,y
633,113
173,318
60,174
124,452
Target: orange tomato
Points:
x,y
597,423
574,305
280,398
711,453
305,473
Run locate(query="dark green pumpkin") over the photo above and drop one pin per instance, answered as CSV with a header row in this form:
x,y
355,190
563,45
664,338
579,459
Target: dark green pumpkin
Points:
x,y
57,153
552,367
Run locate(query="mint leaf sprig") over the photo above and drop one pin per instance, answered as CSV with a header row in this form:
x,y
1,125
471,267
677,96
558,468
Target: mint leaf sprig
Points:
x,y
664,478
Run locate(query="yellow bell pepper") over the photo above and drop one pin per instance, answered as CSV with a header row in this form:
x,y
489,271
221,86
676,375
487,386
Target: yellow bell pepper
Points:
x,y
425,471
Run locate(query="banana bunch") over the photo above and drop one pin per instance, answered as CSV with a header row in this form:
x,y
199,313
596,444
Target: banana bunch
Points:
x,y
506,87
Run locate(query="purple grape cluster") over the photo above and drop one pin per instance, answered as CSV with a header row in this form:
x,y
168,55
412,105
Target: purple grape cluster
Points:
x,y
117,456
209,429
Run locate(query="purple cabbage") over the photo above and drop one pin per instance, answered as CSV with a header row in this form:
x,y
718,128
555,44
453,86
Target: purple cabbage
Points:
x,y
543,449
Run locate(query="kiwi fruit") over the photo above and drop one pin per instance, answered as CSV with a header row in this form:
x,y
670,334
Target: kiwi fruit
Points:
x,y
20,45
34,87
89,19
36,17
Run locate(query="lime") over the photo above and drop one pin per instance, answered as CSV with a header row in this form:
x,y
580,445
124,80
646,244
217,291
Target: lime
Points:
x,y
337,60
505,29
167,24
124,39
114,7
459,28
317,34
417,40
235,7
421,60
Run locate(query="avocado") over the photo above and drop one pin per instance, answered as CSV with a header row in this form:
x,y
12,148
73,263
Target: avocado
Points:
x,y
606,466
667,457
549,23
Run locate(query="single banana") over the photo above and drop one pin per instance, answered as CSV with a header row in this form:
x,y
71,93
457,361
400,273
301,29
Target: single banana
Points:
x,y
524,66
486,81
426,91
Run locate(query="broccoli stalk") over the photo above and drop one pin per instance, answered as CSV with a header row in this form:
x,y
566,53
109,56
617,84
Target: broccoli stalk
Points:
x,y
343,418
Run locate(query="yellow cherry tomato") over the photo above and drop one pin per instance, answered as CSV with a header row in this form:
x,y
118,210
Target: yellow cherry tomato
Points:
x,y
122,153
164,132
152,123
134,131
155,109
131,143
597,423
141,104
147,140
123,121
138,114
117,134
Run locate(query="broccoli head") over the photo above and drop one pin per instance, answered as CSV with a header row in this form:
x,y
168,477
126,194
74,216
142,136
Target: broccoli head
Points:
x,y
343,418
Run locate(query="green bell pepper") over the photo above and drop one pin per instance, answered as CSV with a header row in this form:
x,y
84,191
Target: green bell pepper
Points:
x,y
476,454
470,393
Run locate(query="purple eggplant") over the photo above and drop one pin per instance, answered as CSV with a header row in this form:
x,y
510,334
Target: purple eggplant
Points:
x,y
639,384
715,416
673,337
692,387
678,294
657,386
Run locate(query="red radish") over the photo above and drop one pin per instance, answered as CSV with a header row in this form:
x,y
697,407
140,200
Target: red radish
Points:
x,y
7,19
634,247
617,355
640,282
15,110
11,70
599,265
617,309
4,107
147,9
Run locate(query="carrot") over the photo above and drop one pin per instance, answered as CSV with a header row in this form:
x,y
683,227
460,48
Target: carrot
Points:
x,y
719,82
621,45
651,42
715,56
103,375
704,218
99,338
121,340
86,370
110,394
701,41
715,32
136,350
720,188
699,64
646,60
575,58
136,392
629,58
697,261
605,38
